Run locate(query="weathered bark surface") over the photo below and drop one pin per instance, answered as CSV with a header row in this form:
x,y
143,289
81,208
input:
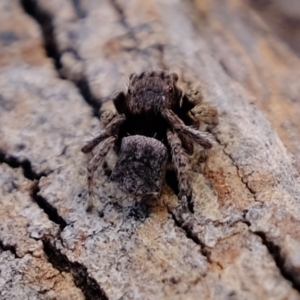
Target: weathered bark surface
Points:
x,y
243,241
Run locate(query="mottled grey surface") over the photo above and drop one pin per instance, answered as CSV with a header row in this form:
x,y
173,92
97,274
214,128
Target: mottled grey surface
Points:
x,y
243,240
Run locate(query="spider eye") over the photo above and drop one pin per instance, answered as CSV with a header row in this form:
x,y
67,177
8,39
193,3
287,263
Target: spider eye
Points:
x,y
129,91
171,90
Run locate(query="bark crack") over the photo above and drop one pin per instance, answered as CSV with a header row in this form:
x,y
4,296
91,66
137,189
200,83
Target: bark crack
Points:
x,y
6,247
244,182
131,34
45,21
46,25
82,280
85,283
30,174
274,250
50,210
188,232
25,164
88,285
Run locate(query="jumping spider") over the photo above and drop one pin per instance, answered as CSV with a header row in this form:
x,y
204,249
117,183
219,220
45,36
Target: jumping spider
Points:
x,y
154,120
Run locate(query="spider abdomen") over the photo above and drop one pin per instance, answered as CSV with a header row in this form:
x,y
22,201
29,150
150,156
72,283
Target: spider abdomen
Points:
x,y
141,165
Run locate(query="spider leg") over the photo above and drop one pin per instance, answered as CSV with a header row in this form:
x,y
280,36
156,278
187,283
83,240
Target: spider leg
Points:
x,y
111,129
190,99
106,117
199,112
199,137
180,162
94,163
187,144
204,114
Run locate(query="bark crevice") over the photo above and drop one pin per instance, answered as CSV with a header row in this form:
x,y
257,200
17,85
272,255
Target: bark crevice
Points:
x,y
244,182
88,285
6,247
188,232
25,164
272,248
50,210
45,21
275,251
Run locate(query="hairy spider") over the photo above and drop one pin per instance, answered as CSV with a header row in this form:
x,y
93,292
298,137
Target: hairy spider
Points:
x,y
154,120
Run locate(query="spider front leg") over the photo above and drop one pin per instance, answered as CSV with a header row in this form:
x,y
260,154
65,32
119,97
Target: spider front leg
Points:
x,y
180,162
201,114
204,116
110,129
94,163
200,137
106,117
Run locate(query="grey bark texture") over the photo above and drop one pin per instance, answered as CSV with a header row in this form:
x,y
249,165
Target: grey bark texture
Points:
x,y
60,62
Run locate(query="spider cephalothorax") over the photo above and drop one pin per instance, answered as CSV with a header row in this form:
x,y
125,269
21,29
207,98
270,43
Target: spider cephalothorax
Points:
x,y
149,93
159,116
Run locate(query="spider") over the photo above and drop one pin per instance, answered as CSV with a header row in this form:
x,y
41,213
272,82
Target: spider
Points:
x,y
154,121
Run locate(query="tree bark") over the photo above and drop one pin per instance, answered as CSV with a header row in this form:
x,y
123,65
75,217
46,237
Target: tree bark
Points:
x,y
62,61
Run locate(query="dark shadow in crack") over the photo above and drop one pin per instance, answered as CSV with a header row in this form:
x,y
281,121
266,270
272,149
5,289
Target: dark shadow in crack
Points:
x,y
288,273
45,20
25,164
88,285
47,207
